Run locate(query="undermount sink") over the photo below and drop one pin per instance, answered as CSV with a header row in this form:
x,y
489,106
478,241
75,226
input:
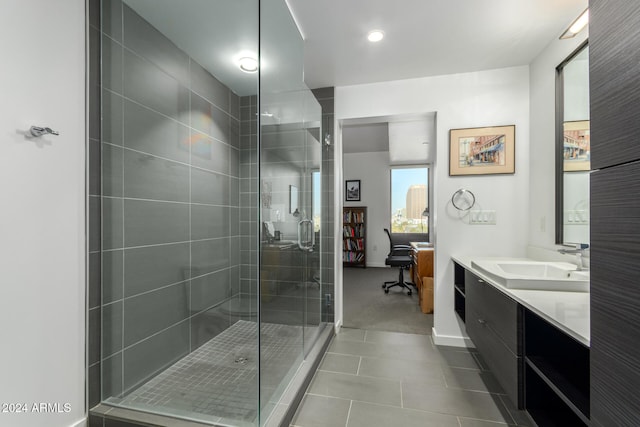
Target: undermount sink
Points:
x,y
536,275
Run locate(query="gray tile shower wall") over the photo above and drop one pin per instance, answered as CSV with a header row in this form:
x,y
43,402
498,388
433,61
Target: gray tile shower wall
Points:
x,y
325,97
165,183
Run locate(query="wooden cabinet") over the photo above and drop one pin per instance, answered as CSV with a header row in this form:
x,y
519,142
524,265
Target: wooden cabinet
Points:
x,y
494,323
354,237
422,276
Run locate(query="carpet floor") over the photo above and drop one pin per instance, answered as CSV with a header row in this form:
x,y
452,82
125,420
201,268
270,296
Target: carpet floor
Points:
x,y
366,306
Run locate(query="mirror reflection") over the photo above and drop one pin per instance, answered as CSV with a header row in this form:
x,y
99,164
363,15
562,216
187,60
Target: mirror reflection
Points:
x,y
574,149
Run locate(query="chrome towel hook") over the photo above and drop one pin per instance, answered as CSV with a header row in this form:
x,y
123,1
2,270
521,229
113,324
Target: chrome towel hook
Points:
x,y
39,131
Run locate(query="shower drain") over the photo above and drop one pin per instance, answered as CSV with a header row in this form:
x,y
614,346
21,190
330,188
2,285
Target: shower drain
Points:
x,y
241,360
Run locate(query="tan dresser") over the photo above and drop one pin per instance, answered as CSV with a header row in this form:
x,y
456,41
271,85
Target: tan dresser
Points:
x,y
422,274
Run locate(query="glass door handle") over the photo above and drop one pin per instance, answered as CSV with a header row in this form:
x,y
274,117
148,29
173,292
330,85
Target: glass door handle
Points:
x,y
306,245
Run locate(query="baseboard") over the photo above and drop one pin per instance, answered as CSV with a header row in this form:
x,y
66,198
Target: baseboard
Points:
x,y
451,340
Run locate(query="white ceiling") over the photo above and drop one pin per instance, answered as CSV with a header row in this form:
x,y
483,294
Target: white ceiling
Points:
x,y
424,37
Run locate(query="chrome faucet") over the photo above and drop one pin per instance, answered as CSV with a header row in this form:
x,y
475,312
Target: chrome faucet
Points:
x,y
579,250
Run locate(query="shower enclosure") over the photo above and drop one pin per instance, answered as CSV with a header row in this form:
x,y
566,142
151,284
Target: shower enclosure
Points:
x,y
213,198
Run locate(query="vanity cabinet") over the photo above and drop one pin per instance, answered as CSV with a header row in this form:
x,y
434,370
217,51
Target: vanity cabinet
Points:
x,y
493,322
542,368
556,375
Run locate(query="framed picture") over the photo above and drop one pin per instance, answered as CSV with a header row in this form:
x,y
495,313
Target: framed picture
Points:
x,y
576,143
352,190
482,151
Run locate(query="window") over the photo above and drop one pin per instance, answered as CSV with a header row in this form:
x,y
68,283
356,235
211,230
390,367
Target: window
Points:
x,y
410,200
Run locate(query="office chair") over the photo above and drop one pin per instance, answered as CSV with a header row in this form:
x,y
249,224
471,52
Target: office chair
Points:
x,y
399,256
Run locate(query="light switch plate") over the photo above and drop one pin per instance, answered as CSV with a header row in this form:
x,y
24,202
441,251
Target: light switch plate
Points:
x,y
482,217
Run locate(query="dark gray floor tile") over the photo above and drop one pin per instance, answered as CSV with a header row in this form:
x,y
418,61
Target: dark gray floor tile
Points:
x,y
367,415
347,334
396,338
150,177
150,132
471,379
153,267
154,311
469,422
471,404
149,223
366,389
420,372
321,411
145,40
423,353
459,359
521,418
340,363
147,84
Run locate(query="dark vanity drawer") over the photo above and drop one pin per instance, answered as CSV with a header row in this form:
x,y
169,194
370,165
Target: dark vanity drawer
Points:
x,y
501,361
498,312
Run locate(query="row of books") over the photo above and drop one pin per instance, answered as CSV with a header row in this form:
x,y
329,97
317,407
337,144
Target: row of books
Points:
x,y
349,216
352,256
353,245
349,231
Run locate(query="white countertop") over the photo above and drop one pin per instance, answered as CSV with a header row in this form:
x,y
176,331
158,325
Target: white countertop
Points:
x,y
568,311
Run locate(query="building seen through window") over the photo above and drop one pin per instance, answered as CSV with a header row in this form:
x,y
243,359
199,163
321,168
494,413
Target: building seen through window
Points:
x,y
410,200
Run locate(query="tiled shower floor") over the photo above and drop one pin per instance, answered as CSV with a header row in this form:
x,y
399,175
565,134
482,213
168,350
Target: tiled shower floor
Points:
x,y
218,381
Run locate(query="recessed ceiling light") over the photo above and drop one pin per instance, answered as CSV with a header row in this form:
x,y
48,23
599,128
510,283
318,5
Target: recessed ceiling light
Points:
x,y
375,36
248,64
576,26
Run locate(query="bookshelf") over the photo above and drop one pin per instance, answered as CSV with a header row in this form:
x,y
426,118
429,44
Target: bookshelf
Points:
x,y
354,236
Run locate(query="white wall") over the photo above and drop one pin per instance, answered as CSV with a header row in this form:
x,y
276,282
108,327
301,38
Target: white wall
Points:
x,y
373,171
542,83
487,98
42,220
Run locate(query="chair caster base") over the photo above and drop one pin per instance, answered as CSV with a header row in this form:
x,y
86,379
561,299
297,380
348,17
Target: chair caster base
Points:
x,y
386,291
409,293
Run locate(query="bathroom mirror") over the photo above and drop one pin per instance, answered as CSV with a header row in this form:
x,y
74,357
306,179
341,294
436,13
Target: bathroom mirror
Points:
x,y
573,162
293,199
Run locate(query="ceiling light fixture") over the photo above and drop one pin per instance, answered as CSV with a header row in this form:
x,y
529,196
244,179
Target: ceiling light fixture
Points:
x,y
576,26
375,36
248,64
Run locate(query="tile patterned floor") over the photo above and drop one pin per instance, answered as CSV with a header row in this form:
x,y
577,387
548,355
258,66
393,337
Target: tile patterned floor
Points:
x,y
379,379
219,379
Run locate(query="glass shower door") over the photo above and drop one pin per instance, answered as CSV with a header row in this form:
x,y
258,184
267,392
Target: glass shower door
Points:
x,y
289,155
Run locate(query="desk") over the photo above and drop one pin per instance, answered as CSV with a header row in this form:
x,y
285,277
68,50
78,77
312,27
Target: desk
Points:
x,y
422,274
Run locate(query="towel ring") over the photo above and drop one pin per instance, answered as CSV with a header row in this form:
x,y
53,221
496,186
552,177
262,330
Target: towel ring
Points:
x,y
463,199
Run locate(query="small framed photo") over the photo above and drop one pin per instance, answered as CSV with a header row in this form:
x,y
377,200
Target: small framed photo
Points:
x,y
482,151
352,190
576,143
